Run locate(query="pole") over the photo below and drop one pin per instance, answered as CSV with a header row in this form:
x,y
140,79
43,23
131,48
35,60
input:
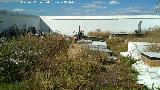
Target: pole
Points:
x,y
79,28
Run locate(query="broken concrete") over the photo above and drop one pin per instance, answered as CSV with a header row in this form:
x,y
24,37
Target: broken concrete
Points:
x,y
149,76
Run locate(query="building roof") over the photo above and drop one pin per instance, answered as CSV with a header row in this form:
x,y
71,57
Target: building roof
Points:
x,y
152,55
116,17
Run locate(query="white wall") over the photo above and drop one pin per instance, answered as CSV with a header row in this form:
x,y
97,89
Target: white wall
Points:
x,y
10,18
68,24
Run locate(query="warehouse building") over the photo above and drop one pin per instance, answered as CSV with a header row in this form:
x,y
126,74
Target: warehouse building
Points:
x,y
128,24
70,24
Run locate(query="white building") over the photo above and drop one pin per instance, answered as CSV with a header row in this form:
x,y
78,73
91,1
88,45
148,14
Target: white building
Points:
x,y
69,24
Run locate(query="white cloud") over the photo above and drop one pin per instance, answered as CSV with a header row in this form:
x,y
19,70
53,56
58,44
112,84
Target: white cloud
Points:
x,y
8,1
134,10
86,11
26,11
94,5
113,2
11,1
18,10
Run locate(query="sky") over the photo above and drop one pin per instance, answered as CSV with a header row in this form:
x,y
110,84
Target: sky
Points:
x,y
80,7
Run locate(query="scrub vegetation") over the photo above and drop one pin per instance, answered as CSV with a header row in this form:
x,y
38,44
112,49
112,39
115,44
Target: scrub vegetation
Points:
x,y
49,62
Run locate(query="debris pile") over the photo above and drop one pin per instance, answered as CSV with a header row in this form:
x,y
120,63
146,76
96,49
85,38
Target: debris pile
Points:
x,y
149,76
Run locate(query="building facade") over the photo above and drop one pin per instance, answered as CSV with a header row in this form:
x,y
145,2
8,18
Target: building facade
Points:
x,y
70,24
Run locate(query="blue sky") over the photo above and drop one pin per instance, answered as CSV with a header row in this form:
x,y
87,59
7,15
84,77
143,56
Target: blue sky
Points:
x,y
80,7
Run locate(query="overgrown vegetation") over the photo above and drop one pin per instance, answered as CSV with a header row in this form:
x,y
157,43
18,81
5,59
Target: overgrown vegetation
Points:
x,y
46,63
104,35
49,62
149,36
120,44
154,48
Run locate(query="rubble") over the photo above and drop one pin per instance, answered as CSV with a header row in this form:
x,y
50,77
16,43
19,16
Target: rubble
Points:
x,y
149,76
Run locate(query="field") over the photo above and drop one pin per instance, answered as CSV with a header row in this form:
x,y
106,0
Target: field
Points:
x,y
48,63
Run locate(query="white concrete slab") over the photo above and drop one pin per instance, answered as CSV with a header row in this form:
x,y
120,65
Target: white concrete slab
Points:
x,y
124,54
152,54
99,46
96,43
149,76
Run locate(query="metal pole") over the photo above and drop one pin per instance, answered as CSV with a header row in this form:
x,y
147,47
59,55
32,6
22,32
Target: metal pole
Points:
x,y
79,28
158,7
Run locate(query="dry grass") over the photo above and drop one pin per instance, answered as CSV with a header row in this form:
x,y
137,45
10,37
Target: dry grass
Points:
x,y
104,35
120,44
149,36
52,63
58,65
154,48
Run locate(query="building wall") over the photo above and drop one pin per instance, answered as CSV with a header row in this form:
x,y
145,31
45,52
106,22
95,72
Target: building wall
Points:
x,y
11,18
44,26
69,24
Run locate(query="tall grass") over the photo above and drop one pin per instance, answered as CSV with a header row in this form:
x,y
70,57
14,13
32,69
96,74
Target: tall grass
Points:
x,y
104,35
154,48
120,44
152,36
46,63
